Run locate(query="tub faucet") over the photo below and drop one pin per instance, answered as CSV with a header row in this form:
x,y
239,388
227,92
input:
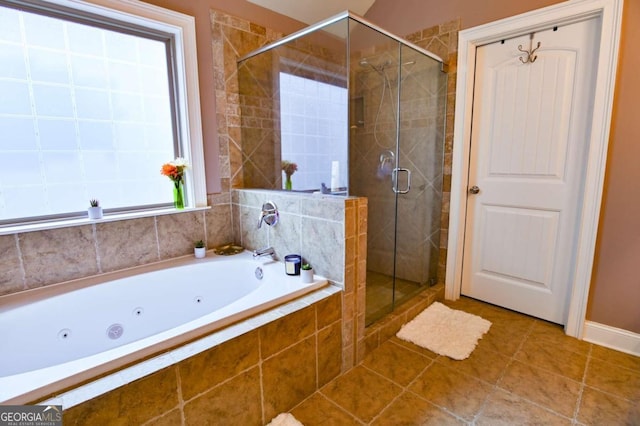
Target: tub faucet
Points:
x,y
269,214
267,251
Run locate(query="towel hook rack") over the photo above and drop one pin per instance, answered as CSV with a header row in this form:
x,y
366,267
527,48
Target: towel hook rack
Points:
x,y
530,57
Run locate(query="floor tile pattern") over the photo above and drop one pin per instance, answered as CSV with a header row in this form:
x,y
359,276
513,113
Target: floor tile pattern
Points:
x,y
523,372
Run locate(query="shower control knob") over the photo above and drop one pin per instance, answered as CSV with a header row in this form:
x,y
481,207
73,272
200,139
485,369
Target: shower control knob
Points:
x,y
474,190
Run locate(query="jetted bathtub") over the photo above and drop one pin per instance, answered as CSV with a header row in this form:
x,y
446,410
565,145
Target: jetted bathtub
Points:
x,y
58,336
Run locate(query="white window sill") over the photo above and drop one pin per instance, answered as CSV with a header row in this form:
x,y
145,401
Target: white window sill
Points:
x,y
65,223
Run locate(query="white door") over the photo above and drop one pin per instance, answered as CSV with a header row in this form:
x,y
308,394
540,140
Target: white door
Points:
x,y
530,130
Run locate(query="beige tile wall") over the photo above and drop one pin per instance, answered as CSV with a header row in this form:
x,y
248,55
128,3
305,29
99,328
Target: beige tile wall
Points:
x,y
245,381
231,38
329,232
443,41
35,259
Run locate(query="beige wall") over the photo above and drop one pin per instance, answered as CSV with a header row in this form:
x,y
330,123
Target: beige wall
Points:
x,y
615,287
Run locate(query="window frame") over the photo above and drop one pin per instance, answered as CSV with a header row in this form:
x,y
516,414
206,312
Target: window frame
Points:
x,y
185,93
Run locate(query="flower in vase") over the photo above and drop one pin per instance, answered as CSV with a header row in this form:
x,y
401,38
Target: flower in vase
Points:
x,y
175,169
289,168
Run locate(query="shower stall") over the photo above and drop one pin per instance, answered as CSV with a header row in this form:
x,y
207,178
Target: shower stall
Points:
x,y
359,112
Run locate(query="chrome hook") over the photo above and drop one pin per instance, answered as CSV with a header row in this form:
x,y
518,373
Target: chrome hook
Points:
x,y
531,58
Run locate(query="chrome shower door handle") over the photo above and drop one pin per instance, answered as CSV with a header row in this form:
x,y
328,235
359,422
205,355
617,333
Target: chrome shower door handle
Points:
x,y
395,180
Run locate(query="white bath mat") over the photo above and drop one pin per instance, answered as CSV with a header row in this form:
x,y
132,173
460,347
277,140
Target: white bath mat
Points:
x,y
445,331
285,419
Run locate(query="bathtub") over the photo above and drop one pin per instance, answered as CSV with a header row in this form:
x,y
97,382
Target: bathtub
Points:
x,y
59,336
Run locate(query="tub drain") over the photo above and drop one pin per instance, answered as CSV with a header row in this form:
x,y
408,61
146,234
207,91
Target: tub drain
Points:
x,y
64,334
115,331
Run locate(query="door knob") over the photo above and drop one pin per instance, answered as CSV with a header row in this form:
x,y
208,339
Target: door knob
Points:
x,y
474,190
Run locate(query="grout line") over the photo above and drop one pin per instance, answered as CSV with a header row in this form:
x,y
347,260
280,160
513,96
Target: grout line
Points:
x,y
513,359
340,406
317,347
204,223
155,226
402,392
96,247
582,386
23,271
260,371
180,405
180,397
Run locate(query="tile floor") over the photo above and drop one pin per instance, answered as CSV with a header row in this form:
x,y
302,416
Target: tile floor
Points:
x,y
380,293
523,372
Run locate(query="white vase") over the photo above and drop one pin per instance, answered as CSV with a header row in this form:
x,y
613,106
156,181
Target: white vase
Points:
x,y
95,212
306,275
200,252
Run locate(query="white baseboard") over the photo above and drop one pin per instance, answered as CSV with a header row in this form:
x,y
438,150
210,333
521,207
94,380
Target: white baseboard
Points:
x,y
612,337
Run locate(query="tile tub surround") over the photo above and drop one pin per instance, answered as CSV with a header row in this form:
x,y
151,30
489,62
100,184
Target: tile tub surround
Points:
x,y
40,258
247,380
328,231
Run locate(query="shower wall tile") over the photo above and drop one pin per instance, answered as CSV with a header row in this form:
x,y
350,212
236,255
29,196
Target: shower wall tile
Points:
x,y
223,198
286,235
58,255
178,232
125,244
304,227
319,239
324,208
236,223
11,272
252,237
285,203
218,224
315,227
444,36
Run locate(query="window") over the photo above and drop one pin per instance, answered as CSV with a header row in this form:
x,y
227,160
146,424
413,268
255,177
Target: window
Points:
x,y
91,107
314,132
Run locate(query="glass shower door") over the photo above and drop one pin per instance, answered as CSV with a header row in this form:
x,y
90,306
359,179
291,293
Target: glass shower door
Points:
x,y
373,147
422,93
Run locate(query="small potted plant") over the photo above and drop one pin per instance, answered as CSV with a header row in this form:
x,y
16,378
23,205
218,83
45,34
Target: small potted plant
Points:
x,y
199,250
94,211
306,273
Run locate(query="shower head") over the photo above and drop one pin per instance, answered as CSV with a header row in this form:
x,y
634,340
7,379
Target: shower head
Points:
x,y
364,62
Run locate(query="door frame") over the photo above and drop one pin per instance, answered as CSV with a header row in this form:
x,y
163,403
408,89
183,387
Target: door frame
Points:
x,y
610,12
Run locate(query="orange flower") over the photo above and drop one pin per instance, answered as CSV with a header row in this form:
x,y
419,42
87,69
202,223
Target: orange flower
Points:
x,y
169,170
175,169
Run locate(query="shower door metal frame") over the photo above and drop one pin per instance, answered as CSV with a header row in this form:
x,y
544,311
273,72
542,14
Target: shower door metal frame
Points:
x,y
337,18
